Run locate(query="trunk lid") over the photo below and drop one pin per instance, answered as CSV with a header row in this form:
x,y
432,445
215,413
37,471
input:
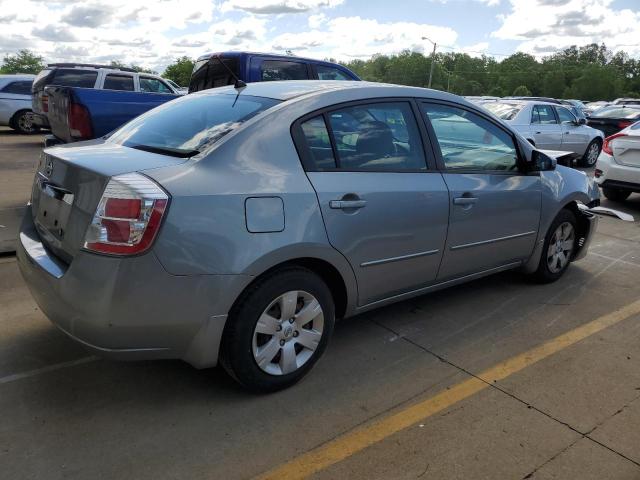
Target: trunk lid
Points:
x,y
69,183
626,150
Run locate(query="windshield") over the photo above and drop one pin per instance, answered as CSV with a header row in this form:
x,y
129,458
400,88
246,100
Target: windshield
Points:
x,y
616,112
190,124
505,111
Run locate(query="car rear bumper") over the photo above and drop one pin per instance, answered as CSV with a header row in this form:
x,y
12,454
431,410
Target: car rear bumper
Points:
x,y
614,175
128,308
40,120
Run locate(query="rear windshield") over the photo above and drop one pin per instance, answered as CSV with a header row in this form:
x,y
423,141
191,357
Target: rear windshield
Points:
x,y
616,112
505,111
190,124
212,74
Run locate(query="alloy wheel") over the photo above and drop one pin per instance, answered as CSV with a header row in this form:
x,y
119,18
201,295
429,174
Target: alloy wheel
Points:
x,y
592,154
288,332
25,123
560,247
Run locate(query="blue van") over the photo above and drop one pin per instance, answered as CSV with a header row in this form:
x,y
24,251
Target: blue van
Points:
x,y
209,72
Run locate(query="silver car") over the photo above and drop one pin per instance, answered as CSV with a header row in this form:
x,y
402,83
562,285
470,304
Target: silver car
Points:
x,y
15,103
235,226
551,127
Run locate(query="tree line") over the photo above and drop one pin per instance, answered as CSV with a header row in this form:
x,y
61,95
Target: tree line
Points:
x,y
591,72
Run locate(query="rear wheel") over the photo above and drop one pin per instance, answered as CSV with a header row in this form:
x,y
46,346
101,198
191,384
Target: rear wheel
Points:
x,y
22,122
616,194
592,153
278,330
559,247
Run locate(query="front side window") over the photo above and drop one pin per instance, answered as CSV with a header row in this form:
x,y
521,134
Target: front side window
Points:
x,y
153,85
283,70
543,115
18,88
191,123
566,117
119,82
468,141
330,73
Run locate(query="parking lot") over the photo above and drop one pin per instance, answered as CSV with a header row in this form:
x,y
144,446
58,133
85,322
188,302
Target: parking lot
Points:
x,y
498,378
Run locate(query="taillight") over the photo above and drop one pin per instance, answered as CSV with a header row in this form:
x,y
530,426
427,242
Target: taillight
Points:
x,y
79,122
624,123
128,216
606,146
44,102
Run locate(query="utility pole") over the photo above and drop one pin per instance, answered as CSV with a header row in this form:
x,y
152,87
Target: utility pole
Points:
x,y
433,59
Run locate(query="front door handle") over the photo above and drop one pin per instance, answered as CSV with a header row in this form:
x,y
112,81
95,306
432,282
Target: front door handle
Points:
x,y
464,200
537,133
346,204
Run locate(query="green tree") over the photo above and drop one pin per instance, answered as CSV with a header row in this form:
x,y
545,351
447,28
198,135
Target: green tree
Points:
x,y
522,91
180,71
554,84
496,91
137,68
22,62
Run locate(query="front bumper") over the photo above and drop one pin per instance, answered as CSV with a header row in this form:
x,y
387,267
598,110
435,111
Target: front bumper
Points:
x,y
128,308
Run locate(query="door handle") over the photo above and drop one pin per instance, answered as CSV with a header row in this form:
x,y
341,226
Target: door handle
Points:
x,y
346,204
537,133
464,200
567,133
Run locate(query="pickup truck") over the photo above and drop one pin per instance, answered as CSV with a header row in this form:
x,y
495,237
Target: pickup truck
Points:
x,y
84,113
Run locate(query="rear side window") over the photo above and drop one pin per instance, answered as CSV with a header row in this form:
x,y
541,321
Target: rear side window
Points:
x,y
283,70
543,114
119,82
153,85
18,88
74,78
468,141
381,137
191,123
330,73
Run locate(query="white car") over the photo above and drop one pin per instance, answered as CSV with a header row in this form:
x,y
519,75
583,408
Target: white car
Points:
x,y
15,103
618,167
550,127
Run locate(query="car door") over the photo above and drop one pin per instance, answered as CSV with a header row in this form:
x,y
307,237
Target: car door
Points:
x,y
494,208
545,129
383,208
14,96
575,137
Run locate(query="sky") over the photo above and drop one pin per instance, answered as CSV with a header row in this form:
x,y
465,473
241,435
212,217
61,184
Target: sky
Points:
x,y
153,34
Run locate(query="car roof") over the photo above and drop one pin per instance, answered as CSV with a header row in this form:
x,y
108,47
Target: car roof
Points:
x,y
289,89
235,53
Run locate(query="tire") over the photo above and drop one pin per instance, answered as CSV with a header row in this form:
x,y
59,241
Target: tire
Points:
x,y
591,154
616,194
258,355
552,266
22,122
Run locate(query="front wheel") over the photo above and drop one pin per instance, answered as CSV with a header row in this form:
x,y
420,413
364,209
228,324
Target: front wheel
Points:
x,y
559,247
592,153
278,330
23,122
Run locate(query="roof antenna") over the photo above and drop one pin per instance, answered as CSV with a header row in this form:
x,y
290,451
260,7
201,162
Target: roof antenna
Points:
x,y
239,84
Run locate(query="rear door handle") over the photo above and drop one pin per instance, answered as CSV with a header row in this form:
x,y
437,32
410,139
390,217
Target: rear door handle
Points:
x,y
345,204
464,200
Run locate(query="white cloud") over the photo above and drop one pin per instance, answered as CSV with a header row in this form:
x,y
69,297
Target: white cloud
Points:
x,y
546,26
269,7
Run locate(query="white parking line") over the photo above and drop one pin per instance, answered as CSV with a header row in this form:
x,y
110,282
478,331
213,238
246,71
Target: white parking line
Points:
x,y
49,368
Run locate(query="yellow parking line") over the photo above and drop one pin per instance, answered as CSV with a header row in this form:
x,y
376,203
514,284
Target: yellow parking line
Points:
x,y
360,438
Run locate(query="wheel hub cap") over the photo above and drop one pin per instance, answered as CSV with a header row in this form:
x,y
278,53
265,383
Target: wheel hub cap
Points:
x,y
287,333
560,247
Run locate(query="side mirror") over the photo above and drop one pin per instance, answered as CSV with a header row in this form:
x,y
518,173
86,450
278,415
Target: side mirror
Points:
x,y
541,162
582,121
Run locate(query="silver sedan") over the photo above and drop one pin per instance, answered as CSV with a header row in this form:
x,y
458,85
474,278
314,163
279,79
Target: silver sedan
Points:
x,y
235,226
551,127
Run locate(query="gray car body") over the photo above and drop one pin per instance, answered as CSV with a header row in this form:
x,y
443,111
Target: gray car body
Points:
x,y
12,103
247,206
566,137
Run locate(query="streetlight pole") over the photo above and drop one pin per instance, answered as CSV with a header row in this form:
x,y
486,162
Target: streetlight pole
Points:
x,y
433,59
